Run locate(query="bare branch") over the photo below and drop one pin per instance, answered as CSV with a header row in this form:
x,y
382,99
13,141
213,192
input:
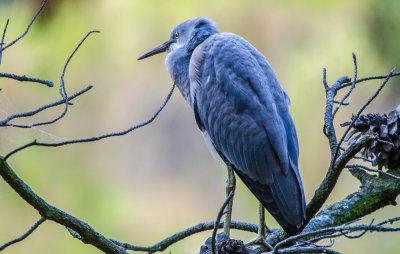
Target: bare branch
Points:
x,y
363,158
353,85
329,128
95,138
48,83
367,79
329,182
217,220
87,233
2,39
25,235
164,244
63,92
6,121
373,170
337,164
341,230
27,29
359,113
306,250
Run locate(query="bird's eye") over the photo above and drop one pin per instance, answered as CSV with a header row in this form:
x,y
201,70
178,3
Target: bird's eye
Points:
x,y
176,35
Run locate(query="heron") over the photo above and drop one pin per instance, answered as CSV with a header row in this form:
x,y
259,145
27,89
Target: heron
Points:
x,y
242,112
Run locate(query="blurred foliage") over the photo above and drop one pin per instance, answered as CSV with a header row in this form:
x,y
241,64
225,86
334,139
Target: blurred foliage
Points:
x,y
383,20
143,187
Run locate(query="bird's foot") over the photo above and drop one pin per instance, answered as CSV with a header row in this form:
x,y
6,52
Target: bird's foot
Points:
x,y
260,240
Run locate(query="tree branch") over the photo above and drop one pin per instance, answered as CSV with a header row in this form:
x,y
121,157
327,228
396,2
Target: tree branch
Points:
x,y
48,83
329,182
63,92
25,235
95,138
373,170
87,233
27,29
217,220
376,192
2,39
6,121
164,244
337,164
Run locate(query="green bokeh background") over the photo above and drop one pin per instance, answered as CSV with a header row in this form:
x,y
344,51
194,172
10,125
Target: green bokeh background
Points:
x,y
145,186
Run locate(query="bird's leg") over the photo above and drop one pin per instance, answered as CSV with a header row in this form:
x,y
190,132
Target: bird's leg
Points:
x,y
230,186
262,230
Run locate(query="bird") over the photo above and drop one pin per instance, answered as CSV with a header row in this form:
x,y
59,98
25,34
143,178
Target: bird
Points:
x,y
242,112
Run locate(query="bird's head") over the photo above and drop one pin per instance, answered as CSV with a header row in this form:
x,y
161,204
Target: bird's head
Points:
x,y
187,34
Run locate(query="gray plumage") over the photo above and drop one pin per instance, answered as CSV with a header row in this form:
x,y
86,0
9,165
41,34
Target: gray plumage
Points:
x,y
240,106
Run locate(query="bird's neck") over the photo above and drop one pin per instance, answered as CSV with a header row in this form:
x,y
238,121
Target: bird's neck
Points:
x,y
178,66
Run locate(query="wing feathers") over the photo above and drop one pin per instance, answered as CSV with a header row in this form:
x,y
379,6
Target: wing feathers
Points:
x,y
243,109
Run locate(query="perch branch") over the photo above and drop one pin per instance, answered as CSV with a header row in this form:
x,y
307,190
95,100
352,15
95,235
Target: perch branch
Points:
x,y
337,232
25,235
375,193
164,244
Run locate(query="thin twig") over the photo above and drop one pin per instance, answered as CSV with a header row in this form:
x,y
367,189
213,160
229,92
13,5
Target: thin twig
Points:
x,y
324,80
353,85
164,244
2,39
342,103
333,161
27,29
373,170
95,138
48,83
217,220
309,243
63,92
341,230
307,250
363,158
367,79
6,121
25,235
329,128
389,221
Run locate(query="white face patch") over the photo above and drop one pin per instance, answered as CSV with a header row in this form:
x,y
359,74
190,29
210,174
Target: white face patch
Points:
x,y
174,46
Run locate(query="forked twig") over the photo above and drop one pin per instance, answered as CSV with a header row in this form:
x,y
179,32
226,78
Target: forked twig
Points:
x,y
95,138
6,121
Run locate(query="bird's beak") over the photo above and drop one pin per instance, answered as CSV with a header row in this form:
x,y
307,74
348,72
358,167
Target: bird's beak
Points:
x,y
159,49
